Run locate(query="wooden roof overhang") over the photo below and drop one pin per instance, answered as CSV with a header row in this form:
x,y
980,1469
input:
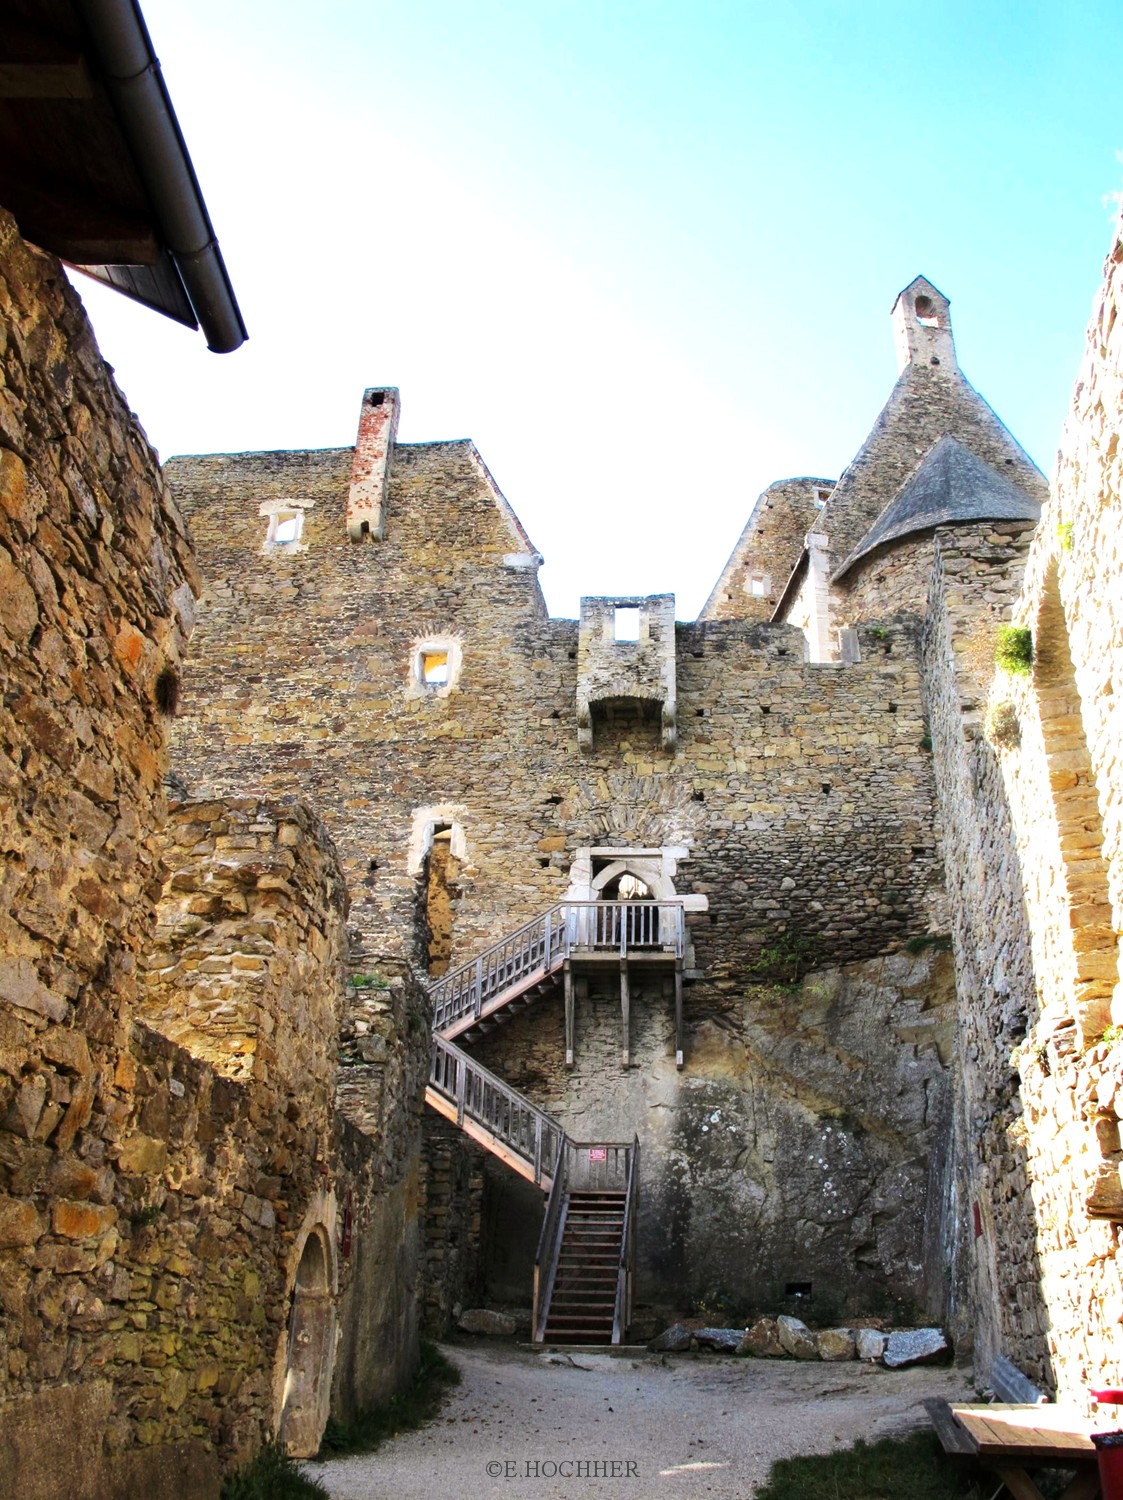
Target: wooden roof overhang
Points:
x,y
94,167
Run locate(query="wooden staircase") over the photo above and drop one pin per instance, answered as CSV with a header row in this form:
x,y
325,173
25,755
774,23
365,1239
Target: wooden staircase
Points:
x,y
583,1272
582,1305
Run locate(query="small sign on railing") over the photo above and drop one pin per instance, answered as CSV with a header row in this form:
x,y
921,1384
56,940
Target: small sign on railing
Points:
x,y
598,1153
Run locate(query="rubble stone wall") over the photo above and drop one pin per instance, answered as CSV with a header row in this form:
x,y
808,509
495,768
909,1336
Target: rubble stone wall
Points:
x,y
1033,810
803,795
156,1190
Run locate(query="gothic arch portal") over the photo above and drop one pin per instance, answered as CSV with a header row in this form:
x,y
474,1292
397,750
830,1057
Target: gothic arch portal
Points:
x,y
310,1348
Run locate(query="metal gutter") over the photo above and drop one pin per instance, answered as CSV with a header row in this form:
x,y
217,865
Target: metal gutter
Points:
x,y
135,84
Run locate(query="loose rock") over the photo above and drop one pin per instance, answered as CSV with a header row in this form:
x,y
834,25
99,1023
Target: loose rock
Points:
x,y
762,1340
914,1346
724,1340
871,1344
483,1320
836,1343
673,1340
796,1337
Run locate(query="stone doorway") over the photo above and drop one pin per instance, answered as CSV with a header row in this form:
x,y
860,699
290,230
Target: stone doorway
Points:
x,y
311,1347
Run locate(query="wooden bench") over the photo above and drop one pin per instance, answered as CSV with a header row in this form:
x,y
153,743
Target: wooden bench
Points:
x,y
1011,1439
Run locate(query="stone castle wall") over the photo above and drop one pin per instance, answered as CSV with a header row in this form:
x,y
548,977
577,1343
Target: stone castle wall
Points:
x,y
157,1191
803,795
1033,809
768,549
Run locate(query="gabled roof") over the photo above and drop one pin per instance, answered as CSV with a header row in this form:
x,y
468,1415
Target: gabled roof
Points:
x,y
951,485
925,404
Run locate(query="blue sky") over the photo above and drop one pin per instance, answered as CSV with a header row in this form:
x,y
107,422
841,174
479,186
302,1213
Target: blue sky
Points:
x,y
643,254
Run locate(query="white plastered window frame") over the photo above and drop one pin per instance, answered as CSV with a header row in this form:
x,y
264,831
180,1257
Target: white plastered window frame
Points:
x,y
434,666
285,529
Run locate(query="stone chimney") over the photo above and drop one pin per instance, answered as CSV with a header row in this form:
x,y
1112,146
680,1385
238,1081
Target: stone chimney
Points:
x,y
370,467
922,327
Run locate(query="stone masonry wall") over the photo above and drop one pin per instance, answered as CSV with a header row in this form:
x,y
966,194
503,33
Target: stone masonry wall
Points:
x,y
96,579
802,794
794,1148
1038,910
768,548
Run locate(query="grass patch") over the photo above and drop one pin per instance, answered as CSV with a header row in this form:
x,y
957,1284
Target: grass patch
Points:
x,y
940,942
272,1475
1013,650
415,1406
915,1466
785,961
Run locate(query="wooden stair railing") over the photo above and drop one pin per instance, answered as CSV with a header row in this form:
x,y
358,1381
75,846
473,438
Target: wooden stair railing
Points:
x,y
506,970
587,1239
501,1119
584,1268
626,1272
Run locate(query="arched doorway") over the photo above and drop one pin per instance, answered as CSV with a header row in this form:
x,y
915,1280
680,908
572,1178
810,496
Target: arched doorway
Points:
x,y
311,1345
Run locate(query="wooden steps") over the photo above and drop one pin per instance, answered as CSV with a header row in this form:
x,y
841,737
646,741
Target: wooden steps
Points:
x,y
506,1010
583,1301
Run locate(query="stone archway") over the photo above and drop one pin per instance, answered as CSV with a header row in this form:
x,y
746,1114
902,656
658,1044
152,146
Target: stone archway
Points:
x,y
647,870
310,1348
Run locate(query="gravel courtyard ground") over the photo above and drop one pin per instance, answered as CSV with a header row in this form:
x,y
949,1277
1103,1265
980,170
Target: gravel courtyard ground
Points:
x,y
525,1426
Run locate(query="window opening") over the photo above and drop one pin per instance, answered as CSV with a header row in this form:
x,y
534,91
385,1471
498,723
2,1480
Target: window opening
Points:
x,y
439,894
926,312
288,529
756,587
821,498
626,623
434,668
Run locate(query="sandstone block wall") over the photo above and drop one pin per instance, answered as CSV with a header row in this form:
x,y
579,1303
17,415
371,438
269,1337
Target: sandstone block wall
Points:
x,y
155,1198
1032,823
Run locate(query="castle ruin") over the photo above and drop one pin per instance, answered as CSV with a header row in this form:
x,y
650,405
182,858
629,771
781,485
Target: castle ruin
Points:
x,y
806,913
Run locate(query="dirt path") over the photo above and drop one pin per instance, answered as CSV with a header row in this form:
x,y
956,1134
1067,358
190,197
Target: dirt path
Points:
x,y
525,1426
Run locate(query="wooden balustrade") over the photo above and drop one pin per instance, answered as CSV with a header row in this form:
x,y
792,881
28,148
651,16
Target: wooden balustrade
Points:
x,y
540,948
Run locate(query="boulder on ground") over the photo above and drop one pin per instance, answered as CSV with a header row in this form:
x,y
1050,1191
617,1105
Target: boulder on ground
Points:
x,y
871,1343
796,1338
483,1320
836,1343
673,1340
762,1340
724,1340
914,1346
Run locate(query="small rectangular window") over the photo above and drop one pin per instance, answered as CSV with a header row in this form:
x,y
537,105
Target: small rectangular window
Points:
x,y
756,587
626,623
434,668
288,529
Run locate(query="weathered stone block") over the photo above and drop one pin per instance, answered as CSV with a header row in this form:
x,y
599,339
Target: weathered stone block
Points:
x,y
836,1344
915,1346
673,1340
482,1320
796,1338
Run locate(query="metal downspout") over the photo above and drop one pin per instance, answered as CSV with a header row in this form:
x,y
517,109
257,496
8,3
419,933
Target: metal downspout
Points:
x,y
136,86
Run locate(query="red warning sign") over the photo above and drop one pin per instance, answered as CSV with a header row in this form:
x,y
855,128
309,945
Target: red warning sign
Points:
x,y
598,1153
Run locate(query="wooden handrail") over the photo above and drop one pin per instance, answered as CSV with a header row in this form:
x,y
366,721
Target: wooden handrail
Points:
x,y
549,1246
542,946
622,1315
528,1132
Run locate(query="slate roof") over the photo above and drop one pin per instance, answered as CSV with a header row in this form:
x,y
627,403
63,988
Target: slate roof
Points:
x,y
951,485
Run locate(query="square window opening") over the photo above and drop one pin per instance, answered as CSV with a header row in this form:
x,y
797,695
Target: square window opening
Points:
x,y
287,529
434,668
626,623
756,587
